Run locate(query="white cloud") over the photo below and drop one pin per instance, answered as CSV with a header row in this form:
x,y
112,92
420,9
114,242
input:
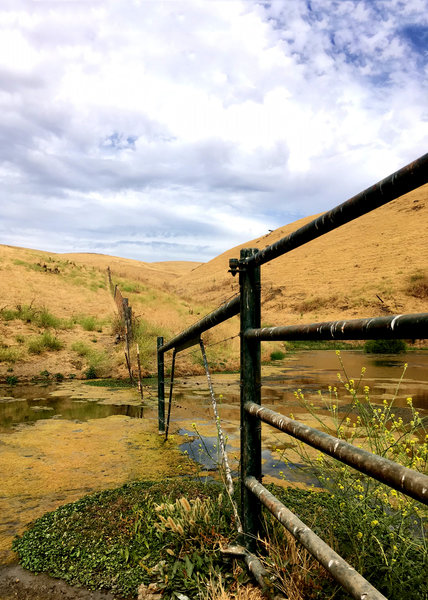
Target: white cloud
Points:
x,y
199,124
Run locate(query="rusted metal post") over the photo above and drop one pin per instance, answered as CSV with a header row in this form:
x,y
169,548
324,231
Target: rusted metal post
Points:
x,y
171,385
140,379
249,283
161,386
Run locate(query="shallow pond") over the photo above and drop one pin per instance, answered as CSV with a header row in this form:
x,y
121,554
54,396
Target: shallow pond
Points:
x,y
62,441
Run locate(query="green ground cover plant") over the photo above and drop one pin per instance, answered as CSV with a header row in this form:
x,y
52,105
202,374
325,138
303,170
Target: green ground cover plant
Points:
x,y
89,322
167,534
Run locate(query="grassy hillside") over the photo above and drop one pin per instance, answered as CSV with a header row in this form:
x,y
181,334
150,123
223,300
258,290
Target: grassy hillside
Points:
x,y
57,315
375,265
58,318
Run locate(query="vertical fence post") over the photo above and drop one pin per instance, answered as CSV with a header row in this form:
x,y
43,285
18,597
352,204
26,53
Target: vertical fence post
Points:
x,y
249,283
161,386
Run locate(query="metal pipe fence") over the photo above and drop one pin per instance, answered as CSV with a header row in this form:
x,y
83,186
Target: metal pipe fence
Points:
x,y
248,305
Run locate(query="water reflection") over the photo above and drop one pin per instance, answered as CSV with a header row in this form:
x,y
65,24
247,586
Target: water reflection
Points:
x,y
28,405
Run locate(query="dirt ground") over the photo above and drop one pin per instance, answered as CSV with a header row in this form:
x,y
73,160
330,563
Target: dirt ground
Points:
x,y
18,584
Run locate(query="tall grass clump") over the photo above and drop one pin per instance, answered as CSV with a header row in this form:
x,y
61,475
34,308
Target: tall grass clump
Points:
x,y
44,342
418,285
379,531
9,355
89,322
41,317
97,361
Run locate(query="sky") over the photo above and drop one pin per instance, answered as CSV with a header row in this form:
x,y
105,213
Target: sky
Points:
x,y
175,130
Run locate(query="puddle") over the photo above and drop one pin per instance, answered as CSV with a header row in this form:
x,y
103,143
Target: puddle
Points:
x,y
78,447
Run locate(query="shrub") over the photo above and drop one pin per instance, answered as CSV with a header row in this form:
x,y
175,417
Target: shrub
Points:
x,y
418,286
277,355
11,379
385,347
91,373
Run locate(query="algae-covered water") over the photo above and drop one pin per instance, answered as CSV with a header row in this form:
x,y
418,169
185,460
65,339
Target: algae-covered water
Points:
x,y
62,441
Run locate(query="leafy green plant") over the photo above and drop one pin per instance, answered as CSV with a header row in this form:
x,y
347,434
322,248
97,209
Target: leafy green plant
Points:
x,y
12,379
385,347
277,355
136,535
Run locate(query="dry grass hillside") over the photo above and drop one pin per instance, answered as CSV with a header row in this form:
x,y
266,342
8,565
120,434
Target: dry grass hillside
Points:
x,y
375,265
57,314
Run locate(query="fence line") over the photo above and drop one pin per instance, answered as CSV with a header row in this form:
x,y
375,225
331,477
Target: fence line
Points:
x,y
248,305
125,315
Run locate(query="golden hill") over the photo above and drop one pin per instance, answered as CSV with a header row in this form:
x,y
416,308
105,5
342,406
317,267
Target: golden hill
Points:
x,y
374,265
364,268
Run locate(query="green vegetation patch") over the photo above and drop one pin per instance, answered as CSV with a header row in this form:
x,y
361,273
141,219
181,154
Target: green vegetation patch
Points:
x,y
111,383
41,317
319,345
89,322
165,533
98,361
10,355
44,342
385,347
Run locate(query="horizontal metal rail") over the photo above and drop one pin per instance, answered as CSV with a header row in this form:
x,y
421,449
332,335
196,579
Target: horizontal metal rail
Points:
x,y
410,326
346,575
400,478
405,180
190,336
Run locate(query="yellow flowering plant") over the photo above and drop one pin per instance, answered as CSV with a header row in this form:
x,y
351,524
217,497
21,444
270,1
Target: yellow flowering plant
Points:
x,y
380,531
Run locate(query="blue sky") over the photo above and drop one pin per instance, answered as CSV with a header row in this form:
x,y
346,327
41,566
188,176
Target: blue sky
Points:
x,y
174,130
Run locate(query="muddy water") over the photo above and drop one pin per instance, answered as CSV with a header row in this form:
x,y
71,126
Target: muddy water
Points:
x,y
58,443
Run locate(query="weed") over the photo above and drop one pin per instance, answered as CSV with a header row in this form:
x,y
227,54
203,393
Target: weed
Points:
x,y
20,338
12,379
318,345
385,347
59,377
10,355
277,355
44,342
